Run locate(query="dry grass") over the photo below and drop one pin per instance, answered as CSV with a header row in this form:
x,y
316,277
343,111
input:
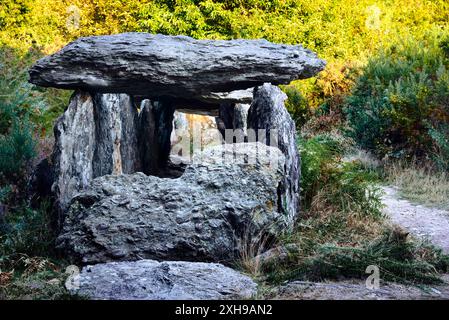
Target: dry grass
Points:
x,y
420,183
250,248
365,158
324,223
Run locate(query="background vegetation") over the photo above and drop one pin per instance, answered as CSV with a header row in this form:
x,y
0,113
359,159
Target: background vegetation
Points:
x,y
385,89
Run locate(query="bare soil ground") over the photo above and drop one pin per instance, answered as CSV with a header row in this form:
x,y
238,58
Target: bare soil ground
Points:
x,y
420,221
357,290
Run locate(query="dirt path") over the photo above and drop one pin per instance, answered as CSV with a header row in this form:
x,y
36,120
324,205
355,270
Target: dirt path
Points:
x,y
356,290
420,221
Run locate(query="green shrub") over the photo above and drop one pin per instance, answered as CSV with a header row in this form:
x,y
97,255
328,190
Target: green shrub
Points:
x,y
400,101
17,106
352,190
16,149
347,186
26,231
4,192
317,155
297,106
440,153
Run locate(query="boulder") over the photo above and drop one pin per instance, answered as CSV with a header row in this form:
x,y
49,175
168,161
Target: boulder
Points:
x,y
268,113
170,280
228,196
153,66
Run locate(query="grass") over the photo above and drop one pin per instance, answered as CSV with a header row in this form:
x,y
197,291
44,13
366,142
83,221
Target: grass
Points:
x,y
29,266
342,230
420,184
36,278
336,244
398,258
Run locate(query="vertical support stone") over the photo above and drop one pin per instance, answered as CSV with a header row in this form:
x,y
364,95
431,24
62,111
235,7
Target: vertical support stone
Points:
x,y
96,135
232,117
74,149
116,149
129,147
268,112
225,118
240,116
156,125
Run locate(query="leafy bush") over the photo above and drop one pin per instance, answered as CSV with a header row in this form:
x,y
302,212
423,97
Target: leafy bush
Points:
x,y
297,105
347,186
16,149
25,231
26,113
400,102
17,106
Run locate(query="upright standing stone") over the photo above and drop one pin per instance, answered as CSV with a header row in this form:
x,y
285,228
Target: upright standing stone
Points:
x,y
232,117
116,148
74,149
156,125
268,112
96,135
241,116
225,117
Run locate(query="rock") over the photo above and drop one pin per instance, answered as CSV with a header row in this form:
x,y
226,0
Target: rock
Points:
x,y
231,121
170,280
116,134
241,116
74,149
172,66
155,127
225,118
95,136
238,96
228,195
54,282
268,112
276,255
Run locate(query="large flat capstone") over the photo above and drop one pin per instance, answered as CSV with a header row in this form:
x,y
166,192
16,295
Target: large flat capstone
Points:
x,y
151,65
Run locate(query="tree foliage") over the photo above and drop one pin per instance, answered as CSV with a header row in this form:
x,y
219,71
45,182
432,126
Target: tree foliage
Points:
x,y
399,105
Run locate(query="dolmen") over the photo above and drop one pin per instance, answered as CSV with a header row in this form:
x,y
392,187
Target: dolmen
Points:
x,y
119,206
